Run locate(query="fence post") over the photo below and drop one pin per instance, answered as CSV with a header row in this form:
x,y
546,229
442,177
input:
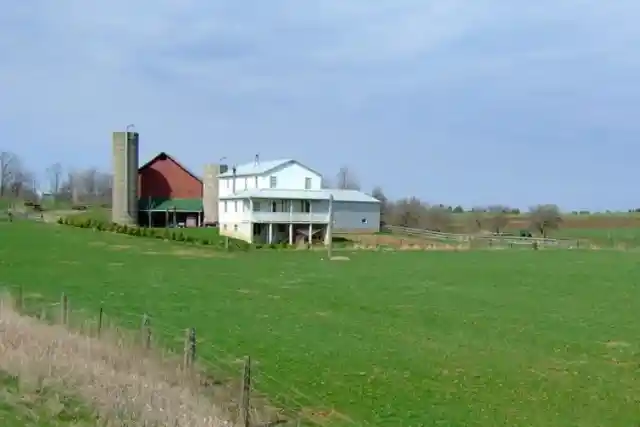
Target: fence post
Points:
x,y
146,332
185,356
64,309
100,314
192,346
246,393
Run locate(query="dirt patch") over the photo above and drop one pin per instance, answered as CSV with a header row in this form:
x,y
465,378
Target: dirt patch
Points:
x,y
339,258
617,344
195,253
119,247
191,253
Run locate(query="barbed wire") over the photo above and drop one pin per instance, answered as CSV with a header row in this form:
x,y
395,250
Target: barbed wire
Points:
x,y
212,357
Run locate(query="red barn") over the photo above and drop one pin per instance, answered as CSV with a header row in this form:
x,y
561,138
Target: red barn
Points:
x,y
168,192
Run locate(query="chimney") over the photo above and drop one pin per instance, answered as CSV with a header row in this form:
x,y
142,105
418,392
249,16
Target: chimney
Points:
x,y
233,183
257,160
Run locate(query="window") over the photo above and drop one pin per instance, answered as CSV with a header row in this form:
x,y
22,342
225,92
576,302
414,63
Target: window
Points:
x,y
305,206
228,182
224,226
307,183
256,181
235,206
235,227
225,206
273,181
274,206
256,206
363,220
246,183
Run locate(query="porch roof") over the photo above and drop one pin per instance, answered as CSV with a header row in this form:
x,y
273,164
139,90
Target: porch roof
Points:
x,y
272,193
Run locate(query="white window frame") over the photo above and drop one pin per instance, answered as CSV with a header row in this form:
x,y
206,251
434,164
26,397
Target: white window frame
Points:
x,y
307,183
273,181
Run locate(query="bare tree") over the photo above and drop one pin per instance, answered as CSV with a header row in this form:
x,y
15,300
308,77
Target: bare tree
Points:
x,y
437,218
347,180
497,218
7,171
544,218
478,218
325,183
385,206
409,212
54,173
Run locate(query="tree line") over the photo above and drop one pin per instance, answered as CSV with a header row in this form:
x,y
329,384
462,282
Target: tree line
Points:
x,y
75,186
412,212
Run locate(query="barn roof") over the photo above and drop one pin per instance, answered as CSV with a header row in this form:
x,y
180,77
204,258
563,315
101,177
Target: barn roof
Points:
x,y
164,156
157,204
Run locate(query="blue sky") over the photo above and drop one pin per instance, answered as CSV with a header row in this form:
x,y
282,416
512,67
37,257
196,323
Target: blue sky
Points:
x,y
471,102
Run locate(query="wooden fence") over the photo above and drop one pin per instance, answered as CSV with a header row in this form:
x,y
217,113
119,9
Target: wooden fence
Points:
x,y
483,239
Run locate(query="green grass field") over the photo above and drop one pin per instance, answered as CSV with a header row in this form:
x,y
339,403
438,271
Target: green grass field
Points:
x,y
604,236
485,338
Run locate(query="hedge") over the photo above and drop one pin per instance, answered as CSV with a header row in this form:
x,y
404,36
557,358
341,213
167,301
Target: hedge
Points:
x,y
163,234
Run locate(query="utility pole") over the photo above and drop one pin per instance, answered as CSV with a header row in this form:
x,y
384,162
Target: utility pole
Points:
x,y
329,238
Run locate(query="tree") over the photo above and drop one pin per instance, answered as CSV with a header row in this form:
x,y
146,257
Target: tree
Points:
x,y
7,171
325,183
437,218
497,218
385,211
458,209
54,173
544,218
478,217
346,180
409,212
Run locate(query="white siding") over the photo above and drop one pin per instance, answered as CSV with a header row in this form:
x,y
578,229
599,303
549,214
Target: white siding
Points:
x,y
233,212
291,177
238,230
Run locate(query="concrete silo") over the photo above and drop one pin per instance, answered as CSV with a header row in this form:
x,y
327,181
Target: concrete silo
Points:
x,y
125,178
210,192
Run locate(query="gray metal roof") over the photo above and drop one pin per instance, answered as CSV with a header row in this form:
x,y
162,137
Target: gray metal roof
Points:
x,y
271,193
254,168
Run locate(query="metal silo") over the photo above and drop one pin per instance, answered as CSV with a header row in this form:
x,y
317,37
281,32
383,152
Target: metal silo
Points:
x,y
125,178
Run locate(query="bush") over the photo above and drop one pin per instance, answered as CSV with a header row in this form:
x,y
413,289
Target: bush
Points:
x,y
166,234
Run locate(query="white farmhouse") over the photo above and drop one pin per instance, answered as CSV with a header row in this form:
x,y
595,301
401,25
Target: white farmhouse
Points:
x,y
283,201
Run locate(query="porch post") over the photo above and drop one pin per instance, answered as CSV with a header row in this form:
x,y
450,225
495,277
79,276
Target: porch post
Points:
x,y
270,237
251,226
291,222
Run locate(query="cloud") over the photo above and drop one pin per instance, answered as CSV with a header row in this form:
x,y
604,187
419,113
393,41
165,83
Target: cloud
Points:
x,y
328,81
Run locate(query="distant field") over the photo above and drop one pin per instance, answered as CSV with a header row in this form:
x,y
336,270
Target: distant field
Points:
x,y
486,338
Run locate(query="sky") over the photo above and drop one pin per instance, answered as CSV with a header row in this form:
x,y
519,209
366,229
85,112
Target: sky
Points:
x,y
470,102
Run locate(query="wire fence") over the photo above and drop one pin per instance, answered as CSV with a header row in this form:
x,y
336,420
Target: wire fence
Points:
x,y
259,398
